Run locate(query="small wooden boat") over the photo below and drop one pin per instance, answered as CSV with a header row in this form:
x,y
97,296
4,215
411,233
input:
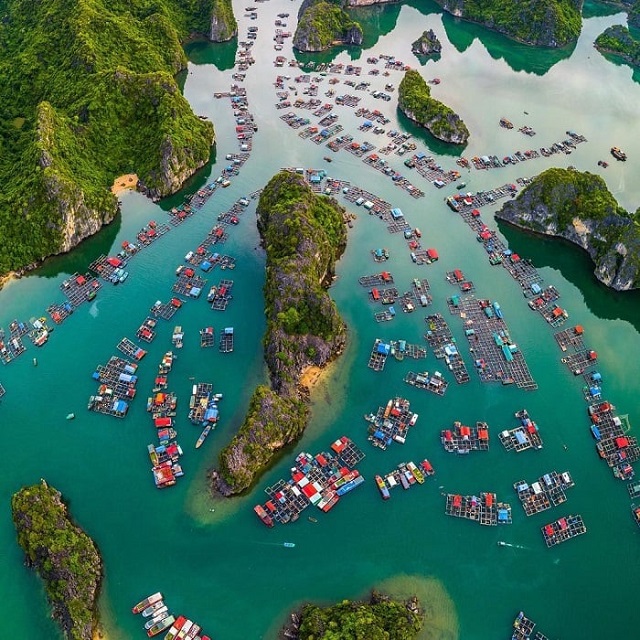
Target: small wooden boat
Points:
x,y
203,436
71,416
312,519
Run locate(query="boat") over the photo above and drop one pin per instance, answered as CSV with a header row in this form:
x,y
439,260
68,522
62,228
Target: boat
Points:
x,y
143,604
382,487
71,416
312,519
176,626
328,159
462,185
203,436
501,543
35,362
159,627
289,545
618,154
152,608
160,615
263,515
507,124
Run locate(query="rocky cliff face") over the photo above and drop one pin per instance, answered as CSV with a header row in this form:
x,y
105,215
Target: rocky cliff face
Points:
x,y
73,218
366,3
323,25
63,555
304,235
223,22
542,23
547,207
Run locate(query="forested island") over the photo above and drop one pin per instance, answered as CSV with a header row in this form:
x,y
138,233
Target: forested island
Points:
x,y
321,25
427,44
541,23
223,22
381,618
63,555
617,41
415,101
89,93
578,207
303,235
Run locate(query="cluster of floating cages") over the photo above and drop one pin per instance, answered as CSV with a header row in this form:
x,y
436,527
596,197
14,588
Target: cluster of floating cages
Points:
x,y
546,492
525,436
429,382
523,629
563,529
391,423
463,439
441,340
484,509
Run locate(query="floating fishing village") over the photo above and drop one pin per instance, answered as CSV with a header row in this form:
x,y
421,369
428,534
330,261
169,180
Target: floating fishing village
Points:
x,y
451,324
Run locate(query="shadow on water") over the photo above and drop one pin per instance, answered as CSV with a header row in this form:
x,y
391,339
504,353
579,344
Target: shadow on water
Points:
x,y
433,144
619,62
220,54
576,266
592,9
519,57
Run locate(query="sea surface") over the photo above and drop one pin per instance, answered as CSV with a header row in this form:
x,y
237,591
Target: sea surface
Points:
x,y
215,562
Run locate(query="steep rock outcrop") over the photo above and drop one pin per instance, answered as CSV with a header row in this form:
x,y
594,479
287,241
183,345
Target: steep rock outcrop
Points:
x,y
323,25
223,22
427,44
541,23
578,207
303,234
415,101
618,41
63,555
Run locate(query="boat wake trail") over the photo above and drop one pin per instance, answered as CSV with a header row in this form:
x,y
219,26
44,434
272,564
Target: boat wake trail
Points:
x,y
513,546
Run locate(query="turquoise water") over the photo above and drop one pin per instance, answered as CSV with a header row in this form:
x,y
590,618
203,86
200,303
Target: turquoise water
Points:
x,y
223,568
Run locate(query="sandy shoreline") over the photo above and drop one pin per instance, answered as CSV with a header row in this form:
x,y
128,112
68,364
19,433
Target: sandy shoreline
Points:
x,y
7,277
312,375
124,183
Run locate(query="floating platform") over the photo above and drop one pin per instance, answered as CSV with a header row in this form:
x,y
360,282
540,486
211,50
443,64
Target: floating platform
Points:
x,y
573,337
434,383
563,529
226,340
189,284
222,295
485,509
377,279
580,361
166,310
207,337
379,355
497,358
146,331
444,346
80,288
391,423
59,312
319,480
131,349
523,629
525,436
463,439
546,492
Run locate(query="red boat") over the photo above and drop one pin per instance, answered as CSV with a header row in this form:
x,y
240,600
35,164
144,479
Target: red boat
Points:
x,y
263,515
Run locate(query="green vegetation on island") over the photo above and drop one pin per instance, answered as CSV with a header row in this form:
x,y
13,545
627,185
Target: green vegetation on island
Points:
x,y
415,101
379,619
89,94
617,41
578,207
427,44
223,22
323,25
64,556
303,234
541,23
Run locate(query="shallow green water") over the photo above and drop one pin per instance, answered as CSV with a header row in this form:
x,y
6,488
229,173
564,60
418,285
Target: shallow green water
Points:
x,y
223,568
